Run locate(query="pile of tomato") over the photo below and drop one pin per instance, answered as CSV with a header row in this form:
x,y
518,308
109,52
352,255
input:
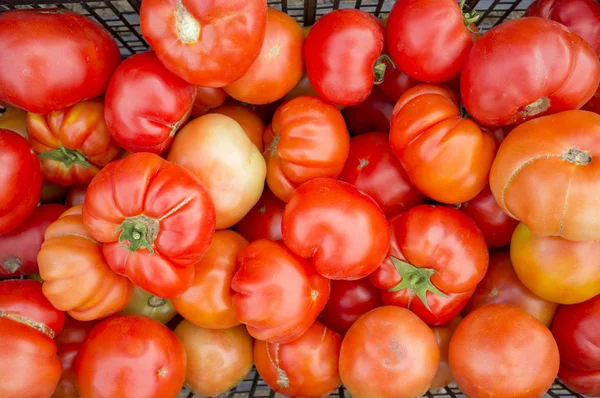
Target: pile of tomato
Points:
x,y
390,205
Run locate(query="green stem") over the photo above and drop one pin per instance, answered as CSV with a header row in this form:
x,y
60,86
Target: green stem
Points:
x,y
139,231
66,156
380,67
416,279
469,17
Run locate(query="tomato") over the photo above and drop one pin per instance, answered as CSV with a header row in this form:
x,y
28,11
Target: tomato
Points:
x,y
587,383
217,360
277,294
53,193
554,268
263,221
429,40
373,168
307,139
73,144
69,341
279,65
208,44
500,350
348,301
130,356
207,98
57,58
208,302
443,334
373,114
76,195
15,120
19,164
594,104
76,276
19,248
395,82
581,16
305,367
146,104
497,226
144,303
155,220
252,124
501,285
216,149
341,228
388,353
342,52
544,175
551,63
446,156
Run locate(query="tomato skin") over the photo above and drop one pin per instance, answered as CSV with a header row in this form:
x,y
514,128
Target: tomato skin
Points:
x,y
500,350
395,82
279,65
437,53
305,367
15,120
340,52
144,303
207,44
586,383
217,151
58,58
19,248
208,301
373,168
217,360
19,163
278,295
497,226
388,353
76,195
162,205
581,16
339,227
146,104
418,236
250,121
444,334
594,104
114,347
207,98
501,285
263,221
373,114
348,301
307,139
446,156
555,60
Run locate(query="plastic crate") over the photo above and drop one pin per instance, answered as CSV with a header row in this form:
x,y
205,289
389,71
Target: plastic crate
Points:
x,y
121,18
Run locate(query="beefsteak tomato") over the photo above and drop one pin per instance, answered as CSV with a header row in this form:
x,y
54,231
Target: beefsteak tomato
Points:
x,y
207,98
263,221
251,122
373,114
147,304
155,220
277,294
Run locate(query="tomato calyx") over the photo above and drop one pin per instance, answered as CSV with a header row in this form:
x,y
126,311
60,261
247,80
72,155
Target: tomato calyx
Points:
x,y
66,156
538,106
469,17
11,264
155,301
380,67
577,157
139,231
272,148
188,29
39,326
416,279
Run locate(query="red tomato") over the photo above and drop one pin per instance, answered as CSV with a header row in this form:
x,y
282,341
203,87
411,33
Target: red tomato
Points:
x,y
501,351
342,55
253,125
557,71
447,157
263,221
497,226
53,193
443,334
307,139
279,66
146,104
207,98
581,16
373,168
437,257
57,58
389,353
19,164
306,367
278,295
19,248
341,228
587,383
130,356
348,301
501,285
76,195
373,114
155,219
395,82
429,40
594,104
208,44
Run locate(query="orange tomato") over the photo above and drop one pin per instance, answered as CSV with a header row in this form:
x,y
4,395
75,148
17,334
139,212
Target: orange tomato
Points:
x,y
15,120
207,98
252,124
443,334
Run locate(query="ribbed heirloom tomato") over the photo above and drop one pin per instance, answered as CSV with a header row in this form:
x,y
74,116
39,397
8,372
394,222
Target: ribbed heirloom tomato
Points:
x,y
155,220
